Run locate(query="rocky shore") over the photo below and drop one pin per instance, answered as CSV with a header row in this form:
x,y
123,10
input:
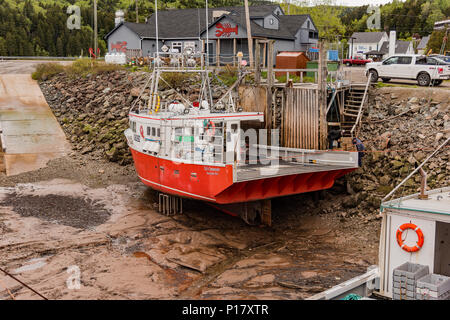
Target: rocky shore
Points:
x,y
400,129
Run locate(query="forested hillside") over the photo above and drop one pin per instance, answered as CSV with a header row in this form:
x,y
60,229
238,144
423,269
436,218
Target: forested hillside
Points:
x,y
38,27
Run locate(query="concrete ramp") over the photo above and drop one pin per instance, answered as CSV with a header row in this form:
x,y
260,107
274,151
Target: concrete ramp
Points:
x,y
30,133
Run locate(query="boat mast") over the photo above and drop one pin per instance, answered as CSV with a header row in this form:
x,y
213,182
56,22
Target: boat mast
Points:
x,y
207,36
156,22
208,93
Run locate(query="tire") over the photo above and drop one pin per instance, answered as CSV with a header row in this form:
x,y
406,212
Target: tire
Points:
x,y
386,79
423,79
348,64
437,82
373,74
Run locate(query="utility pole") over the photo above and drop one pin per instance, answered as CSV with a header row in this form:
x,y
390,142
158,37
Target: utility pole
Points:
x,y
289,6
249,34
137,12
95,28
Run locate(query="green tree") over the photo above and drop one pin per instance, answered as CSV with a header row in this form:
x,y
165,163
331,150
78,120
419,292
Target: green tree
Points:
x,y
436,41
3,49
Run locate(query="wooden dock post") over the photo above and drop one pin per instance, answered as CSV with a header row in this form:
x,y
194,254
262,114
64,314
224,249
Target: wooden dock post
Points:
x,y
218,53
257,62
322,97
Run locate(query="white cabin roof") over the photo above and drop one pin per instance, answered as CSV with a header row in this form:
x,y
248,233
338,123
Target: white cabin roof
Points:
x,y
169,116
438,202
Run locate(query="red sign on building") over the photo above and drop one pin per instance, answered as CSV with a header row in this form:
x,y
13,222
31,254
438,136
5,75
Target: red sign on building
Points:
x,y
119,46
225,30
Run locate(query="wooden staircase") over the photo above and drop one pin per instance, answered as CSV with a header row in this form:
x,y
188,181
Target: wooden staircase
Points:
x,y
352,105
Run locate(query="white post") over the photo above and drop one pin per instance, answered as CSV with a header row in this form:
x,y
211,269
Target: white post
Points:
x,y
392,42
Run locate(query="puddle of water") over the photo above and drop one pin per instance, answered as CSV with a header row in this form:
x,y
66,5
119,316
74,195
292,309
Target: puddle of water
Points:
x,y
33,264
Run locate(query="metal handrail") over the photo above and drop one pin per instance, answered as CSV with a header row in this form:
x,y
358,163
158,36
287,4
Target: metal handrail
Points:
x,y
358,118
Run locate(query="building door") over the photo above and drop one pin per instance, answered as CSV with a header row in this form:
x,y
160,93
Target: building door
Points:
x,y
210,51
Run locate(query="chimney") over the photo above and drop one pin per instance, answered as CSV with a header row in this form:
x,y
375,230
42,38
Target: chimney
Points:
x,y
120,17
392,43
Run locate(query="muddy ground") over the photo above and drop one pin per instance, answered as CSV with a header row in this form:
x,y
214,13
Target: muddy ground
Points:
x,y
98,217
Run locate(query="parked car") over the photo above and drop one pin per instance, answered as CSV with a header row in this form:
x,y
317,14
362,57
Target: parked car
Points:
x,y
356,61
424,69
441,57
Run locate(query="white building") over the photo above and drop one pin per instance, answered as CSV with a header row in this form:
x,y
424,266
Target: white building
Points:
x,y
362,42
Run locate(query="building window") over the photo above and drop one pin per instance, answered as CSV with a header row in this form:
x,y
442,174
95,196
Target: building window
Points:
x,y
177,46
190,44
309,24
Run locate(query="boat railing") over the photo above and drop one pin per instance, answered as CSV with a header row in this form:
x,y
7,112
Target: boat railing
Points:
x,y
309,156
187,61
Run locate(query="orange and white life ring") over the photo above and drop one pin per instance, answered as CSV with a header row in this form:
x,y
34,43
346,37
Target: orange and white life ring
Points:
x,y
419,233
211,128
142,131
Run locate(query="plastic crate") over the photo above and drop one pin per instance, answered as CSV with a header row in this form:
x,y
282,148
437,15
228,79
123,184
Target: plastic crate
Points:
x,y
411,271
433,287
404,280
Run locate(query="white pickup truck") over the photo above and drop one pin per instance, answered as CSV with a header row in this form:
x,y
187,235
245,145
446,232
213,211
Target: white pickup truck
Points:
x,y
424,69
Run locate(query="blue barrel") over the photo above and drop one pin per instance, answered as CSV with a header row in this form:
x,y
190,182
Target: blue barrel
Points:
x,y
333,55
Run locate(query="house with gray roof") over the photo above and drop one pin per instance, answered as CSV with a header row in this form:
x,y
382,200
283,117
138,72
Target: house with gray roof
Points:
x,y
362,42
225,27
401,47
422,46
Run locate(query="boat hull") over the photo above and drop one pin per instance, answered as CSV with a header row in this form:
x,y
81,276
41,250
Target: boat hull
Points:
x,y
215,183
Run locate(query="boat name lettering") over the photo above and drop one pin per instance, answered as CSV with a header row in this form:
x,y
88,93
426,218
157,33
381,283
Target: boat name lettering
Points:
x,y
212,169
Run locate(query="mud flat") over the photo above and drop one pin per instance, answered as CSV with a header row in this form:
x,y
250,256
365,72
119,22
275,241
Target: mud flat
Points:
x,y
124,249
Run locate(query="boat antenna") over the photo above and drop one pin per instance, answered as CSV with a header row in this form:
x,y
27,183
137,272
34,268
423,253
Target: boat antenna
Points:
x,y
207,36
156,23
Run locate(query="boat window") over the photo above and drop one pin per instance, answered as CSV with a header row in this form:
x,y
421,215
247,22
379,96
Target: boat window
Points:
x,y
234,127
159,132
148,131
133,126
153,131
